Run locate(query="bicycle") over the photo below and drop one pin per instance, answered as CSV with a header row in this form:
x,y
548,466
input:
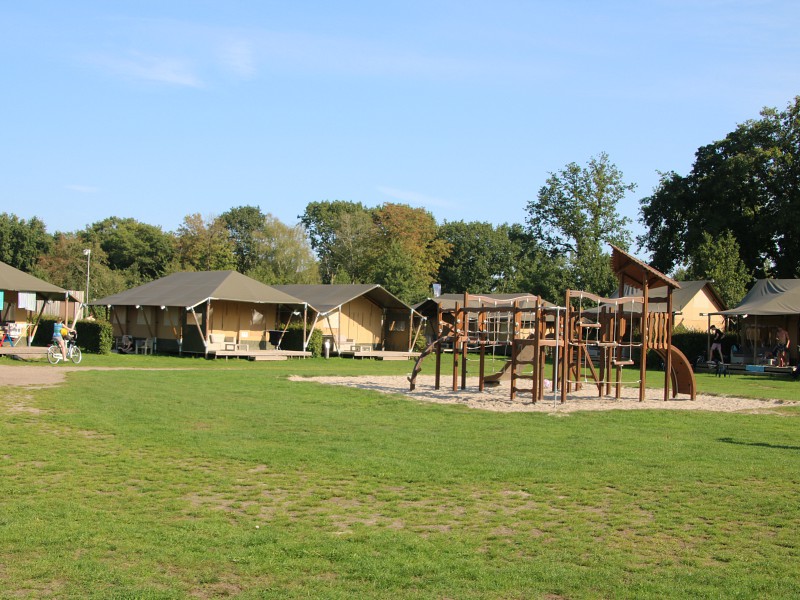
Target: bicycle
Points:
x,y
73,352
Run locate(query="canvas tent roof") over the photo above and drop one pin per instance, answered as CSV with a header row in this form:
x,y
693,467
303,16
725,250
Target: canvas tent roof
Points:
x,y
770,297
325,298
192,288
14,280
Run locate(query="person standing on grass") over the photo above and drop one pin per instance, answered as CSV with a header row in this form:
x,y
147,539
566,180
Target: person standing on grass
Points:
x,y
716,343
781,346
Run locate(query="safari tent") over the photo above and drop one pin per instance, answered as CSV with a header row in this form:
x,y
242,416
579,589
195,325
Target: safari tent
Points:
x,y
202,312
359,318
771,303
22,301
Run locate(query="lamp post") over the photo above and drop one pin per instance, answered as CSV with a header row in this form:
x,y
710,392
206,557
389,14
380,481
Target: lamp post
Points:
x,y
88,254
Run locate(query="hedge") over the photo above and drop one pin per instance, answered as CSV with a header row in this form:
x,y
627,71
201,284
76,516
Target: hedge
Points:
x,y
293,340
95,337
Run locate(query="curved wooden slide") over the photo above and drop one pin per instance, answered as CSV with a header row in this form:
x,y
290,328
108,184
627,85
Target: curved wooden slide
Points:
x,y
504,374
682,373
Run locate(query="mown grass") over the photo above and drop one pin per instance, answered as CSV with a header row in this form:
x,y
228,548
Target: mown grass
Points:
x,y
229,480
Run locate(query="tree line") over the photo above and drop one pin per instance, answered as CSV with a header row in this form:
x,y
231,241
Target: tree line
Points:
x,y
733,218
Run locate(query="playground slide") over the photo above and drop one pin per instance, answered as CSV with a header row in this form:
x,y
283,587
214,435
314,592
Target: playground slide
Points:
x,y
682,373
504,374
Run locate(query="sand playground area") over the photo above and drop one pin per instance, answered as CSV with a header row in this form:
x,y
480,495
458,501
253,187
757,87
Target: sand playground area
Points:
x,y
497,398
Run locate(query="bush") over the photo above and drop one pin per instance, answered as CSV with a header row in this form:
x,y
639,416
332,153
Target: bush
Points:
x,y
293,340
95,337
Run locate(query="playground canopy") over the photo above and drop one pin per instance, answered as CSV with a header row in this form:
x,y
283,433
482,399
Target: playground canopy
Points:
x,y
769,297
633,272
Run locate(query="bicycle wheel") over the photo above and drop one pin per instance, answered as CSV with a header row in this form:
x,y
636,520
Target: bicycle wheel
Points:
x,y
76,355
53,354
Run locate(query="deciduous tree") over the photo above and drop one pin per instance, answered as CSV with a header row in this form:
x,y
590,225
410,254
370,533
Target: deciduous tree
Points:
x,y
718,259
747,183
22,242
204,245
575,214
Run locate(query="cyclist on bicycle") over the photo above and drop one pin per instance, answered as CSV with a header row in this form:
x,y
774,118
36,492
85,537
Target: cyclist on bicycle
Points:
x,y
59,331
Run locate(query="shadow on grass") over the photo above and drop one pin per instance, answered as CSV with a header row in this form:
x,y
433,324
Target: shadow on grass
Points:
x,y
729,440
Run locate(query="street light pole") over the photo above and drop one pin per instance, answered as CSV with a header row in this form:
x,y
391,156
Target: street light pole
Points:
x,y
88,254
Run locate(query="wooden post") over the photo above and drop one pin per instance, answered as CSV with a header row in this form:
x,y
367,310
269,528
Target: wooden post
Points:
x,y
668,342
645,342
567,351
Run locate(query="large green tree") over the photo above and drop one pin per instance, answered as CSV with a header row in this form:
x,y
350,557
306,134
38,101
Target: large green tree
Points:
x,y
747,183
204,245
718,259
283,254
575,214
22,242
342,234
482,257
65,265
145,251
407,250
243,224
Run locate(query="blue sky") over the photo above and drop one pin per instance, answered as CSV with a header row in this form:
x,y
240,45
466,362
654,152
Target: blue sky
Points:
x,y
159,109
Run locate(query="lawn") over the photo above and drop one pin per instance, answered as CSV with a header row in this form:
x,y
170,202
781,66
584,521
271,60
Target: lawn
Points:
x,y
228,480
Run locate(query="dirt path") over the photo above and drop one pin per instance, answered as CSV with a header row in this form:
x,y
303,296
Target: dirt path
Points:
x,y
45,376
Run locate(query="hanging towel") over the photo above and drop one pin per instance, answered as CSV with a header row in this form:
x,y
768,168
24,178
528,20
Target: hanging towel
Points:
x,y
26,300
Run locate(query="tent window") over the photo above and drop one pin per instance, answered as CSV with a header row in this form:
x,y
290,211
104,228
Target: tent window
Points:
x,y
256,319
170,317
144,315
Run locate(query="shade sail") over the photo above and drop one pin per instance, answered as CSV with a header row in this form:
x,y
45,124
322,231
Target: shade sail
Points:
x,y
188,289
770,297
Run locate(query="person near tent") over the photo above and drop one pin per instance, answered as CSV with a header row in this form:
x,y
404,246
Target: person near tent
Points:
x,y
716,343
781,346
59,332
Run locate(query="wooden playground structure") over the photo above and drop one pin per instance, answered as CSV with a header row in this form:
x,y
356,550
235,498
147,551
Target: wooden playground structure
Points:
x,y
575,338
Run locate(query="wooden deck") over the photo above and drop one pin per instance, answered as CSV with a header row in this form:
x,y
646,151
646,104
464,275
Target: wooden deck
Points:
x,y
24,351
742,369
379,354
260,354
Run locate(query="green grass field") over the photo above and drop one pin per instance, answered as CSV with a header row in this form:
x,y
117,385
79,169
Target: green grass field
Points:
x,y
226,480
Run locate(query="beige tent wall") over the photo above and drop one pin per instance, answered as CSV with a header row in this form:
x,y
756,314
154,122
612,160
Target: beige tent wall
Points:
x,y
691,317
244,322
358,322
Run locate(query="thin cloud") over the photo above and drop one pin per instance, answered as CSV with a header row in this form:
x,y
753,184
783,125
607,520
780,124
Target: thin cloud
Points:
x,y
414,198
82,189
238,57
171,71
